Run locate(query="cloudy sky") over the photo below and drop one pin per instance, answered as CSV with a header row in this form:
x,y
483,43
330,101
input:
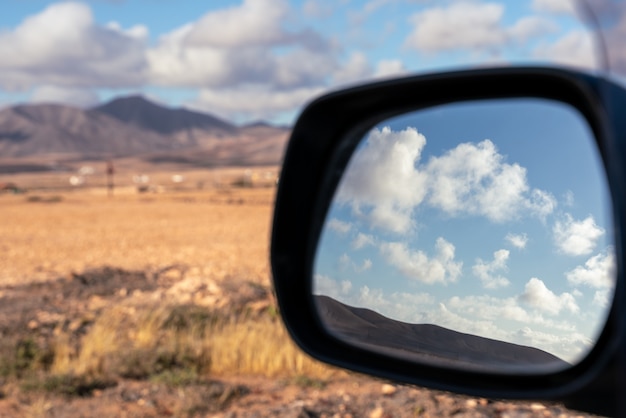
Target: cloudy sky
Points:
x,y
488,218
252,59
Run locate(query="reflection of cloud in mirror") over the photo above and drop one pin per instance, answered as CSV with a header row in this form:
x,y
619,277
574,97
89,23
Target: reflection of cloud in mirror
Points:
x,y
345,262
384,182
421,205
474,179
519,241
598,271
487,271
576,237
417,266
363,240
383,177
539,296
338,226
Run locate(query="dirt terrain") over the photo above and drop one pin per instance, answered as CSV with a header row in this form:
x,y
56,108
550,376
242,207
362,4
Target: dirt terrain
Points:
x,y
159,304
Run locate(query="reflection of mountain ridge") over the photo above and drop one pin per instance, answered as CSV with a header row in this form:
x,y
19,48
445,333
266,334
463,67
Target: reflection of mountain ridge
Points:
x,y
427,342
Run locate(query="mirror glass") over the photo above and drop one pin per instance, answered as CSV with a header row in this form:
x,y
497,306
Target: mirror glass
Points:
x,y
472,235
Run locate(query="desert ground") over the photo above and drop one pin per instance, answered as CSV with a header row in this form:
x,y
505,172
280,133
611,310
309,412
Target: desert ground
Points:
x,y
155,300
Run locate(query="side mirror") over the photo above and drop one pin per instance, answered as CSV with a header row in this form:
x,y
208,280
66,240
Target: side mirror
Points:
x,y
460,231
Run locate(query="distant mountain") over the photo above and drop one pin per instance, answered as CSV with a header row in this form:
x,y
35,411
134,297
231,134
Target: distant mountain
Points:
x,y
138,111
56,129
429,343
134,126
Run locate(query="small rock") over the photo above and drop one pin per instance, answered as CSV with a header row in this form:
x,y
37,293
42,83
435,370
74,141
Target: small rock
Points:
x,y
32,324
471,403
388,389
537,407
377,413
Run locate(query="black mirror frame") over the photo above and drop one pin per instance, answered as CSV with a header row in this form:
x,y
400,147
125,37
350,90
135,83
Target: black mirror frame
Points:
x,y
320,147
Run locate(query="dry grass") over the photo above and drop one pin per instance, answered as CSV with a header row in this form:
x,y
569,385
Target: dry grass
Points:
x,y
184,340
221,234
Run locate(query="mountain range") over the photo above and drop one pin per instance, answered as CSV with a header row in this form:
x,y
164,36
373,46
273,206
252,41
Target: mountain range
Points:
x,y
429,343
135,126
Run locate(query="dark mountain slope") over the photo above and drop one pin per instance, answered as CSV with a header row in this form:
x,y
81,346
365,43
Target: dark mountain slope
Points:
x,y
138,111
430,343
27,130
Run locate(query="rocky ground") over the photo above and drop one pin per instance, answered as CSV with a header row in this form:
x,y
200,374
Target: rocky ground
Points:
x,y
71,304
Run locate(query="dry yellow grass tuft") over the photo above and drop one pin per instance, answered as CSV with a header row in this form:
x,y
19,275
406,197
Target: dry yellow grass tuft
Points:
x,y
184,338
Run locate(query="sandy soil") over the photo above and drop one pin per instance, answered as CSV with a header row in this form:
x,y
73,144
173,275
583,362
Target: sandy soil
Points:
x,y
68,254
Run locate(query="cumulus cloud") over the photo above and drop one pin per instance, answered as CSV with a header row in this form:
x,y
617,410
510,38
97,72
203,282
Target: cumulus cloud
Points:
x,y
339,226
385,182
235,46
65,95
470,26
576,237
536,294
252,101
324,285
488,272
575,49
382,183
390,68
416,265
598,272
363,240
63,46
346,263
518,241
567,7
475,179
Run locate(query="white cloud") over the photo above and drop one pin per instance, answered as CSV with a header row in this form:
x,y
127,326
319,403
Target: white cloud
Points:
x,y
574,49
576,237
536,294
519,241
487,272
362,240
598,272
470,25
64,46
324,285
384,182
390,68
367,264
529,27
236,47
381,181
252,101
416,265
602,298
567,7
474,179
339,226
355,69
346,263
254,22
66,95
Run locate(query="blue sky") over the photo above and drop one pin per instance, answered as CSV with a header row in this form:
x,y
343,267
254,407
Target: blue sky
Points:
x,y
490,218
263,59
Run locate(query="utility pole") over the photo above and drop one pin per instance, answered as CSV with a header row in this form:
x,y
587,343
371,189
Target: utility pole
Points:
x,y
110,172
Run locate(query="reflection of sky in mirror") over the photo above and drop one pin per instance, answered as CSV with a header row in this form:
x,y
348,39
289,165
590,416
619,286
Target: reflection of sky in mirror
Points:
x,y
488,218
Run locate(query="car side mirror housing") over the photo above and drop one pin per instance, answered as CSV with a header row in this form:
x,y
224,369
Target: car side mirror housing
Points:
x,y
461,231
